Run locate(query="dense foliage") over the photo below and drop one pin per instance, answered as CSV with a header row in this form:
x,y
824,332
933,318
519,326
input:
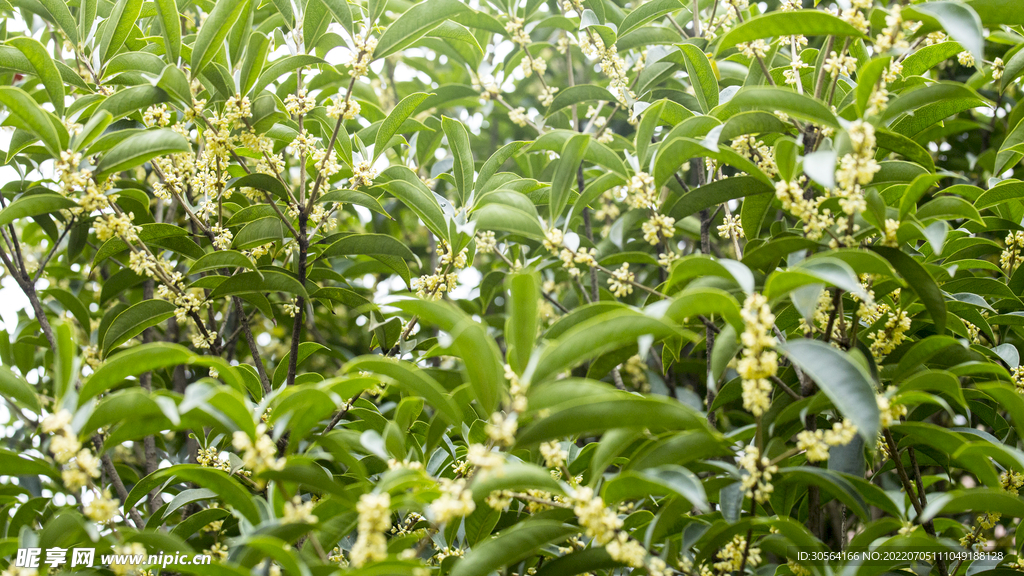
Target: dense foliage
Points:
x,y
530,287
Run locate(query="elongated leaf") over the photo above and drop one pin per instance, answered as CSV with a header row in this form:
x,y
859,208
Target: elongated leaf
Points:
x,y
920,282
34,205
521,324
576,94
470,340
213,32
845,382
141,148
16,388
229,489
508,547
221,259
118,26
45,69
61,15
806,22
32,116
170,27
771,99
702,75
414,23
458,141
394,121
148,357
565,173
261,281
960,21
494,163
413,380
135,320
597,415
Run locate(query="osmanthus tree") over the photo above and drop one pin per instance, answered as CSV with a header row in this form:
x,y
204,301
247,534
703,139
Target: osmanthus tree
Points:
x,y
517,287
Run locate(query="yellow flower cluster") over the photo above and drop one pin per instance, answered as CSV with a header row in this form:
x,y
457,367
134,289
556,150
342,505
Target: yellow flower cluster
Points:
x,y
455,501
730,557
730,228
374,520
259,455
817,443
791,195
659,227
759,362
81,463
102,508
363,54
211,458
640,191
621,280
886,339
299,104
298,512
1010,259
553,453
759,470
501,428
889,412
856,168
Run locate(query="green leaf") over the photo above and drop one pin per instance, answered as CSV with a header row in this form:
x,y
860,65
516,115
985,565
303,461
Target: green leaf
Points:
x,y
134,320
16,388
213,32
664,480
61,15
387,249
97,123
34,118
117,27
261,281
846,383
394,121
920,281
221,259
140,148
259,232
973,500
521,321
264,182
508,547
1007,156
959,20
770,99
496,216
148,357
230,490
170,27
716,193
419,199
413,380
702,76
132,100
565,173
14,464
463,168
494,163
576,94
774,24
45,69
621,410
255,59
34,205
414,23
471,342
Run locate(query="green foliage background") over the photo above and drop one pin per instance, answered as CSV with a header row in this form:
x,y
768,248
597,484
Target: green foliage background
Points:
x,y
527,287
